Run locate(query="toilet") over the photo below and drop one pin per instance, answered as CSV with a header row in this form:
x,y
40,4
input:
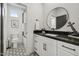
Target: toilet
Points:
x,y
15,41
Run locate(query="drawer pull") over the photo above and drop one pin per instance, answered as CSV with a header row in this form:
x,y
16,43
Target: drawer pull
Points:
x,y
68,48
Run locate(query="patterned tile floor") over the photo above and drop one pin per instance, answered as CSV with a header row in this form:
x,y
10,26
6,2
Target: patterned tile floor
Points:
x,y
19,51
16,52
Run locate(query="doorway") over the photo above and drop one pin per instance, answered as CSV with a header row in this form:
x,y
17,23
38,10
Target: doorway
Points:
x,y
15,42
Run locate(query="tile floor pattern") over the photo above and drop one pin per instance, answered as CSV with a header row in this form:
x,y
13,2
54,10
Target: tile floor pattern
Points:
x,y
19,51
16,52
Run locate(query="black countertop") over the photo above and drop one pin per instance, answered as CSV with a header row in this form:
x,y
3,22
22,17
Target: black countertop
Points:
x,y
61,36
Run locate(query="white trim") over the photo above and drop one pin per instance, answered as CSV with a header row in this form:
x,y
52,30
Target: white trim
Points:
x,y
5,25
20,5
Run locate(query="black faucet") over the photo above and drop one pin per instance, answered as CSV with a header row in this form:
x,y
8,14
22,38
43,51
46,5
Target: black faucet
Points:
x,y
72,27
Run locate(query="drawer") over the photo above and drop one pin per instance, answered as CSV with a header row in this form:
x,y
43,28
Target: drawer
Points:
x,y
68,47
62,52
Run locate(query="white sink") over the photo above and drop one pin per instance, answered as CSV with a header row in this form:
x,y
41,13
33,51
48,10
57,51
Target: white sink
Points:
x,y
51,34
73,36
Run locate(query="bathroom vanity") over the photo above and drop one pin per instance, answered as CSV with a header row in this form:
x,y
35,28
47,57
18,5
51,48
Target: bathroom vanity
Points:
x,y
55,43
43,46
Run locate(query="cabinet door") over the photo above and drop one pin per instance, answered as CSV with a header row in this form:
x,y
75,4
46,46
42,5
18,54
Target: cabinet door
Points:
x,y
42,46
49,47
64,53
38,44
66,49
45,46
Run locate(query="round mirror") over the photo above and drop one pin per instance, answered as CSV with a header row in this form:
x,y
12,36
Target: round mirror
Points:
x,y
57,18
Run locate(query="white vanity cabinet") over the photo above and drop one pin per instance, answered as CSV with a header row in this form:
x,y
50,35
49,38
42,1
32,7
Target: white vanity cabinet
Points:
x,y
44,46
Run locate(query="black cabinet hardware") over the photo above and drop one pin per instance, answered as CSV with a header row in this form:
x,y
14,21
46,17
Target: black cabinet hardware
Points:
x,y
68,48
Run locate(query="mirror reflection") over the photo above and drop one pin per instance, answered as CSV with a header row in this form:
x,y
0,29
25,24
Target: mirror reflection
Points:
x,y
57,18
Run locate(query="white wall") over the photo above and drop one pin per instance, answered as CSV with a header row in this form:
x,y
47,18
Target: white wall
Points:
x,y
34,11
73,10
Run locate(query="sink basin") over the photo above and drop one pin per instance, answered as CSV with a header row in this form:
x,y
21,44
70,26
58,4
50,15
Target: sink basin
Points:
x,y
74,36
51,34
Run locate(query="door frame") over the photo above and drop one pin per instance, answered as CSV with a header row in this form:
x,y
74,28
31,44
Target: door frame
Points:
x,y
21,5
1,34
